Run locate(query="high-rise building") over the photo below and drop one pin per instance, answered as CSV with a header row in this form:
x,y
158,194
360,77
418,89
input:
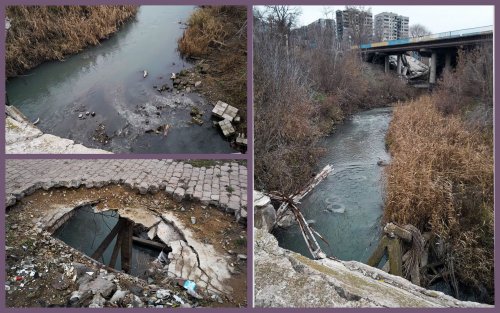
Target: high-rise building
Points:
x,y
354,25
320,33
391,26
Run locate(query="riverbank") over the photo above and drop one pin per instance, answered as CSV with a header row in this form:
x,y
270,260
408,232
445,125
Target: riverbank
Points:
x,y
42,33
21,136
441,177
441,181
287,279
217,35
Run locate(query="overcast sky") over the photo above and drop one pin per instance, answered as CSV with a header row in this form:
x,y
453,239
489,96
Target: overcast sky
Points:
x,y
436,18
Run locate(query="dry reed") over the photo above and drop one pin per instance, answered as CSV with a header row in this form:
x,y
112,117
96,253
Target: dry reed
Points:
x,y
42,33
441,180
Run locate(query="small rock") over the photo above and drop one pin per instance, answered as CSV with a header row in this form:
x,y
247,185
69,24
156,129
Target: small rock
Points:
x,y
197,84
87,113
80,115
118,296
241,256
193,220
162,293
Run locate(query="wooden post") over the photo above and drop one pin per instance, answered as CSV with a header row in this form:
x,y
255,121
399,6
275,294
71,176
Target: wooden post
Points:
x,y
395,257
126,246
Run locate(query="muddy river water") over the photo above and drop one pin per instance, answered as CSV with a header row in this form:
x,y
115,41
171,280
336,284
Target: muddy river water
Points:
x,y
108,79
346,207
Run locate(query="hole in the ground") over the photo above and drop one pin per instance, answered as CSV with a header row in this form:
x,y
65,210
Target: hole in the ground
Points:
x,y
112,240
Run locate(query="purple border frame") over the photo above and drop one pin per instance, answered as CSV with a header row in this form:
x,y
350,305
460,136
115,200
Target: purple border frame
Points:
x,y
248,156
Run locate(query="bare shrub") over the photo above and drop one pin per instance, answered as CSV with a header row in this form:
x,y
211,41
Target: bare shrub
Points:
x,y
42,33
285,124
441,180
469,84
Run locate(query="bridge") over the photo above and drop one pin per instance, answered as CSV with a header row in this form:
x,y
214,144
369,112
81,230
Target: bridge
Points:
x,y
434,46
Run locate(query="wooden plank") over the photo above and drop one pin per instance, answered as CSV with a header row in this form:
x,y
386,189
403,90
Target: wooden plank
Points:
x,y
114,255
395,257
105,243
149,243
126,246
379,252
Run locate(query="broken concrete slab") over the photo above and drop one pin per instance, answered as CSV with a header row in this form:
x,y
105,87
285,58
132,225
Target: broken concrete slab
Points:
x,y
140,216
287,279
213,265
224,111
226,127
167,233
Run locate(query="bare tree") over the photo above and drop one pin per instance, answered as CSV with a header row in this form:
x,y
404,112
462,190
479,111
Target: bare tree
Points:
x,y
418,30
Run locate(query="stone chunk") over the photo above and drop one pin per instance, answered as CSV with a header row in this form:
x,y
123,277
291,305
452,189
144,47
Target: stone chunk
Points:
x,y
226,127
167,233
225,111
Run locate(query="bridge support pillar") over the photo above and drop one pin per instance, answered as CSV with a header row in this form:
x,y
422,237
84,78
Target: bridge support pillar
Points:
x,y
386,64
432,74
447,61
400,64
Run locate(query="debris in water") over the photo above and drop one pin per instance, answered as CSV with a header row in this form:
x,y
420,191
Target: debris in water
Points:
x,y
145,73
36,121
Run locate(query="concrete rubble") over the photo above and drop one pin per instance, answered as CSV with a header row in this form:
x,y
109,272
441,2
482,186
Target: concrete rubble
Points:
x,y
22,136
83,282
287,279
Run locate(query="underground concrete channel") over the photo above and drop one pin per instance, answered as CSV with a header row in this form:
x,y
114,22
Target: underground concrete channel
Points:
x,y
114,247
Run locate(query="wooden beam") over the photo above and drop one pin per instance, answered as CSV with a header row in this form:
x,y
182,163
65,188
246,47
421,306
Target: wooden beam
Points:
x,y
149,243
105,243
395,230
395,257
126,246
114,255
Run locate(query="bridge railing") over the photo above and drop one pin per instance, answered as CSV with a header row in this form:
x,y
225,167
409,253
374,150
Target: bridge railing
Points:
x,y
443,35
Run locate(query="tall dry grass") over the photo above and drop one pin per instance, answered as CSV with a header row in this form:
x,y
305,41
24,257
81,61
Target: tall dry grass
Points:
x,y
441,180
42,33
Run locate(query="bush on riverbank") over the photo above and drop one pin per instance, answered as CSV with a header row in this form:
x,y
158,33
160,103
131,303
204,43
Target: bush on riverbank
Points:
x,y
42,33
218,35
441,176
441,180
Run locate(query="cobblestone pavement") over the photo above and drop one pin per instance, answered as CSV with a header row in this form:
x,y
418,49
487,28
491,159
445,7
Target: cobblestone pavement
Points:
x,y
224,184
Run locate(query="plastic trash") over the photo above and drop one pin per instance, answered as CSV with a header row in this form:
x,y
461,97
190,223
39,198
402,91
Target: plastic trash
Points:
x,y
162,258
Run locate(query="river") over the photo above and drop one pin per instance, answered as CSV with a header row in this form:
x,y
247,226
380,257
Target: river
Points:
x,y
348,204
108,79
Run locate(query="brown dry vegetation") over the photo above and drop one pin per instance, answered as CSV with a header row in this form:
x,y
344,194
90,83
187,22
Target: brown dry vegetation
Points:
x,y
441,175
218,35
300,95
42,33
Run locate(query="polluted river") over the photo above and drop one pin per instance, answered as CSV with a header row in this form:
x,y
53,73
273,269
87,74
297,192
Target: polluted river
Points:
x,y
347,206
102,97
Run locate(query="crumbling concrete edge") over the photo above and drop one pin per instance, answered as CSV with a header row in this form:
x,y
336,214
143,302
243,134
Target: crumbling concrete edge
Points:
x,y
142,188
22,136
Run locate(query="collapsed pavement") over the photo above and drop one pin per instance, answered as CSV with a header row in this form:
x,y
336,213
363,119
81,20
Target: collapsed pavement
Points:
x,y
208,248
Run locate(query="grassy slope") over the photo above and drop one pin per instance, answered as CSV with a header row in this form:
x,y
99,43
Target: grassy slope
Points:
x,y
218,34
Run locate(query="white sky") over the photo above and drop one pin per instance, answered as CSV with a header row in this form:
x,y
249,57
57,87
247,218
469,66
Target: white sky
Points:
x,y
437,18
